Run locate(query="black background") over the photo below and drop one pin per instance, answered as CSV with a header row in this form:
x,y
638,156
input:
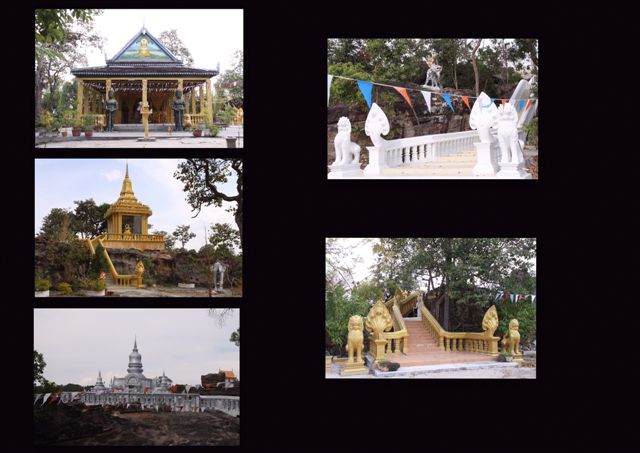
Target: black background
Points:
x,y
583,210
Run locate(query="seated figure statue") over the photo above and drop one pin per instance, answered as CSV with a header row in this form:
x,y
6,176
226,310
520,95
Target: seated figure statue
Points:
x,y
178,105
347,152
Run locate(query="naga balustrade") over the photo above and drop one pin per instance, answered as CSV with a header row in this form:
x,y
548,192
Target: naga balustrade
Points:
x,y
118,279
417,150
458,341
133,237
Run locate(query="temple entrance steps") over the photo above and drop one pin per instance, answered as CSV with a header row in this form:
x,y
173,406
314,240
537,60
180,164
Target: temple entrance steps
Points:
x,y
459,164
423,349
135,127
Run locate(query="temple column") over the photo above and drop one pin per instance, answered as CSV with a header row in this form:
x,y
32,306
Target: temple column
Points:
x,y
209,101
180,85
145,109
79,96
193,100
200,97
86,101
144,227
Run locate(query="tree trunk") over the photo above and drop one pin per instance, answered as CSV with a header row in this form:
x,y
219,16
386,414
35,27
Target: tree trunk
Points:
x,y
474,63
38,89
455,66
445,320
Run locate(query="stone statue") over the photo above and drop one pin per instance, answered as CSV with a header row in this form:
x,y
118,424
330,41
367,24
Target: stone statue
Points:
x,y
355,339
110,108
433,74
376,125
218,270
508,134
347,152
483,117
490,321
511,340
238,116
178,105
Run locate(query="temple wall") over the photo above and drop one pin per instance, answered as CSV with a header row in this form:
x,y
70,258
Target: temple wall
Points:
x,y
179,402
139,245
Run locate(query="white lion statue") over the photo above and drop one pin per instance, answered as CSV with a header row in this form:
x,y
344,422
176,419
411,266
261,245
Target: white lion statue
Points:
x,y
347,152
507,122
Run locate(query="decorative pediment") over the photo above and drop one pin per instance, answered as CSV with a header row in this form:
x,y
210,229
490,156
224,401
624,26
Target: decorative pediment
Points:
x,y
144,47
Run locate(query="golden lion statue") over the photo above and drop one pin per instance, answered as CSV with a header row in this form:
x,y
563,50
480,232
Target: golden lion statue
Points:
x,y
511,340
355,339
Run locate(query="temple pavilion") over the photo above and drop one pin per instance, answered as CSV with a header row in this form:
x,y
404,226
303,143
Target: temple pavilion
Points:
x,y
127,222
144,71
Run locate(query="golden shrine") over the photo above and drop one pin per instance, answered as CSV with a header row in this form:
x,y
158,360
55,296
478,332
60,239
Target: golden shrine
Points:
x,y
144,75
127,222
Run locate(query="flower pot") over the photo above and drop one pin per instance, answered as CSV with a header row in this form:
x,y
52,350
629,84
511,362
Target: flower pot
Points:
x,y
42,293
76,132
197,133
88,134
91,293
64,133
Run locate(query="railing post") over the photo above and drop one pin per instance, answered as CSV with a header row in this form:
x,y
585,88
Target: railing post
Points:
x,y
377,161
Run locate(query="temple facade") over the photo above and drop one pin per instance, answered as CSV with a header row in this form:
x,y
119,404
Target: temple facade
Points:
x,y
135,381
127,222
144,73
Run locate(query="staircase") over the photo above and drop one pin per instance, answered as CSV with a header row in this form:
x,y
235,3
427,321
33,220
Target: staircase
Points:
x,y
459,164
113,278
423,350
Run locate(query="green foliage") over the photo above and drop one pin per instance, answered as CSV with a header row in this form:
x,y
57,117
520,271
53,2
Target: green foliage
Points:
x,y
79,284
88,121
393,366
532,132
96,284
224,238
64,288
169,240
72,388
525,312
225,115
347,91
58,225
42,284
339,307
230,83
98,262
170,39
183,234
38,368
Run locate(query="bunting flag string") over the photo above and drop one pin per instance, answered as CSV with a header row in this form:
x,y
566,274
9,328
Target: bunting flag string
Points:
x,y
403,92
447,99
366,88
530,100
513,297
465,99
427,99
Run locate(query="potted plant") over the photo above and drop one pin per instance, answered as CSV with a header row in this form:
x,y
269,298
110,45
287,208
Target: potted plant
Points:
x,y
197,132
505,356
95,288
77,128
42,286
64,288
88,125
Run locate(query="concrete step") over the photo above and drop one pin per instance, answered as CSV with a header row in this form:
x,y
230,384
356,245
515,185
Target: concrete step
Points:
x,y
417,359
140,128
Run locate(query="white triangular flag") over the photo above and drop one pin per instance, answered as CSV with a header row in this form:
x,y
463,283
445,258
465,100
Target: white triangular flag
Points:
x,y
533,298
46,397
37,397
427,99
329,78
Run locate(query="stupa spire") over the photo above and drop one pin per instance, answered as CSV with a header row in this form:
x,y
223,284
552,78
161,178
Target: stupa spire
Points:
x,y
127,187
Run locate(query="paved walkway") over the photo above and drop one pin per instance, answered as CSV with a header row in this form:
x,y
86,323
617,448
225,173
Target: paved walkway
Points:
x,y
487,370
174,142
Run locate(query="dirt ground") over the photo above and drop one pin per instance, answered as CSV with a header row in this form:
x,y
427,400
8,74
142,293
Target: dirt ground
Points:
x,y
92,426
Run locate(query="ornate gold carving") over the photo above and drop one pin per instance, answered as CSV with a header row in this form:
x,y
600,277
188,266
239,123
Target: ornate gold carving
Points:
x,y
490,321
355,339
378,319
144,48
511,340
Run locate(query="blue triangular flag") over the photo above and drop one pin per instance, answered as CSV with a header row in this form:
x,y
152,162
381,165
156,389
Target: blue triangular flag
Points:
x,y
448,99
520,105
366,87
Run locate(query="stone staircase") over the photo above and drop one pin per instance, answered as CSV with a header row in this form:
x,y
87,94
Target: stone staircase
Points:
x,y
423,350
459,164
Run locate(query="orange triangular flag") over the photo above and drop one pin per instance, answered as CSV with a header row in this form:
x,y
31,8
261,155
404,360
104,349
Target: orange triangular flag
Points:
x,y
504,101
403,92
465,99
528,104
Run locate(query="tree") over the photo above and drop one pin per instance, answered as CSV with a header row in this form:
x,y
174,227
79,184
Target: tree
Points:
x,y
98,262
339,307
38,368
169,240
59,33
58,225
183,234
474,63
202,179
171,41
235,337
230,82
88,218
224,236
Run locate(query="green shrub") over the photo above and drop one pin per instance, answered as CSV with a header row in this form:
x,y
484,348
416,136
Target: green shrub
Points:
x,y
64,288
42,284
532,132
79,283
393,366
96,284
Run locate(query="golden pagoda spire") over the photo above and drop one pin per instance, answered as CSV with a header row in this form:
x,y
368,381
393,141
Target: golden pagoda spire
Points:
x,y
127,187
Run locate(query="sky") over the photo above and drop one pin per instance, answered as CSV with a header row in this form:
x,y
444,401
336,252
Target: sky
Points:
x,y
210,35
361,257
60,182
185,343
